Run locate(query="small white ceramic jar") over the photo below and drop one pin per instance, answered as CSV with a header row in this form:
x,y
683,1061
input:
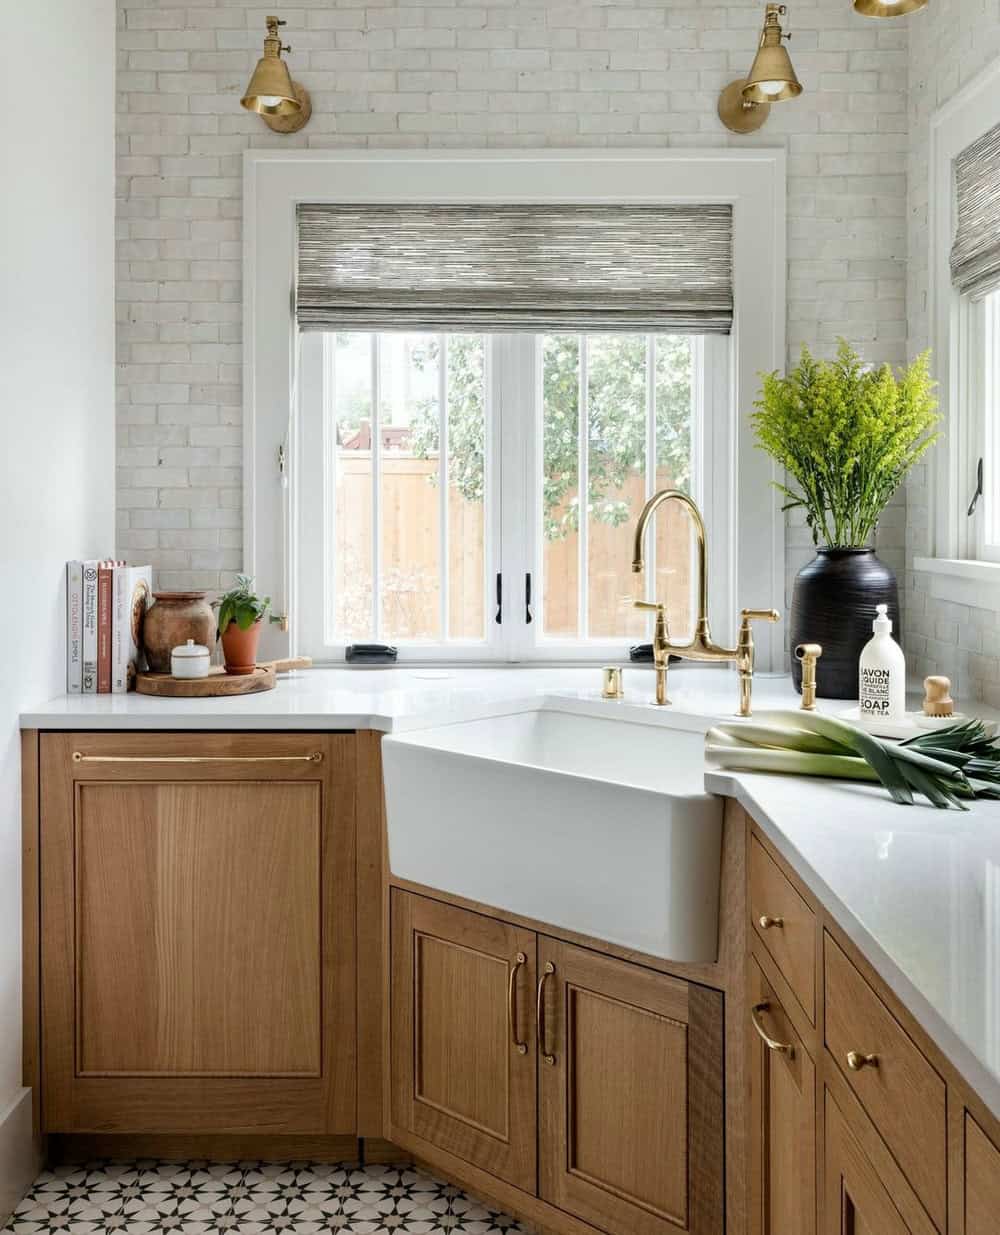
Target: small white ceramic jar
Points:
x,y
190,660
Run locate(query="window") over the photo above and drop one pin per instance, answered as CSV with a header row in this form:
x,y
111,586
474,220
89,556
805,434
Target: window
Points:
x,y
427,542
985,435
964,538
429,600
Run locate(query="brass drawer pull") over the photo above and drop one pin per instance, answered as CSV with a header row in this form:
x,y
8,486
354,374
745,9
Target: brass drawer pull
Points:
x,y
547,973
856,1061
519,961
765,922
783,1048
315,757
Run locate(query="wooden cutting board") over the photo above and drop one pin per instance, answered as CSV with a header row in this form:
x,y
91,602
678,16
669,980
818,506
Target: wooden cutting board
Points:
x,y
218,683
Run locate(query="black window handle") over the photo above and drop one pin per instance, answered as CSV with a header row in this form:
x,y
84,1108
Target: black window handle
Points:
x,y
979,489
499,617
527,598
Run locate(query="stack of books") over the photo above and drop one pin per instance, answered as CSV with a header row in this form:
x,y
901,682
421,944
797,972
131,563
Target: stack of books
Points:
x,y
105,607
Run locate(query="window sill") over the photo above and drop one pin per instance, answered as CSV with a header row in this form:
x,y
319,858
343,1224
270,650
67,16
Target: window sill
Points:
x,y
964,581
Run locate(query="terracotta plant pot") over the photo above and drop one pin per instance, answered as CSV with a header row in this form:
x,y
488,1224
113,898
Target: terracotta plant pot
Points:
x,y
240,647
171,621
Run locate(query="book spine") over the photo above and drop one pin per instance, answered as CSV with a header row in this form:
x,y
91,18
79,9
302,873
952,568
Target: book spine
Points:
x,y
89,609
104,576
74,627
119,630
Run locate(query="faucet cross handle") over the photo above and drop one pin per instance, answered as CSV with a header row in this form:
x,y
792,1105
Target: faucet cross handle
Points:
x,y
745,651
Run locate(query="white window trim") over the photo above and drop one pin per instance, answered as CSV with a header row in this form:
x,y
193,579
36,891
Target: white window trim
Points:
x,y
753,181
956,571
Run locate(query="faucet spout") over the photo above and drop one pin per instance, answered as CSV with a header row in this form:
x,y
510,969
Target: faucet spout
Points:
x,y
702,631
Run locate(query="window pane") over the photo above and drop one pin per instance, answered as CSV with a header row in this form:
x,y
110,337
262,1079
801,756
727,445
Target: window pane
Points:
x,y
674,418
560,484
409,420
466,374
352,417
616,464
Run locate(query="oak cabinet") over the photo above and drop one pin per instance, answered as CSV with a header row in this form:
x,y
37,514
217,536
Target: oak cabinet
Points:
x,y
463,1050
197,942
631,1095
589,1082
783,1119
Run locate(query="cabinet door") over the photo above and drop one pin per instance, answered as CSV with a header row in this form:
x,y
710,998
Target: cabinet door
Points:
x,y
198,932
982,1181
856,1201
782,1119
631,1094
463,1041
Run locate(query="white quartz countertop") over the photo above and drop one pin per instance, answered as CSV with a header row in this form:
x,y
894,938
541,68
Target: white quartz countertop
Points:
x,y
917,889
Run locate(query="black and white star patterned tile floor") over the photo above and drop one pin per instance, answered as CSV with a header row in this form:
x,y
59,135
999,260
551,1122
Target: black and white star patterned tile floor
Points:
x,y
150,1197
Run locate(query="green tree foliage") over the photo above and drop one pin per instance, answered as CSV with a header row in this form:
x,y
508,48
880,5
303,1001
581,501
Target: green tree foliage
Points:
x,y
617,420
846,435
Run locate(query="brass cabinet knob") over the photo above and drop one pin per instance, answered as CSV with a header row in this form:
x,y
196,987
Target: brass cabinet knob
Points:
x,y
765,922
856,1061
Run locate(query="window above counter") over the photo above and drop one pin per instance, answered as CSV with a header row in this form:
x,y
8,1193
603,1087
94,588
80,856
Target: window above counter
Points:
x,y
511,463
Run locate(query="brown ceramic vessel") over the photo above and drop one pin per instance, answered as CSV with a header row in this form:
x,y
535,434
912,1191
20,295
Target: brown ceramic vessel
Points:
x,y
240,647
171,621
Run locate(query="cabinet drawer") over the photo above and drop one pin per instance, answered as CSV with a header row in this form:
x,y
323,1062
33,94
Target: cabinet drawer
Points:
x,y
785,925
898,1088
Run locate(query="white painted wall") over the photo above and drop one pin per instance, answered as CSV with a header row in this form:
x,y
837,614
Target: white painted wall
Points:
x,y
56,402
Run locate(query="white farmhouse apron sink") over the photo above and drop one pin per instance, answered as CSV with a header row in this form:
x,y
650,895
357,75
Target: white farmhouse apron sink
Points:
x,y
592,824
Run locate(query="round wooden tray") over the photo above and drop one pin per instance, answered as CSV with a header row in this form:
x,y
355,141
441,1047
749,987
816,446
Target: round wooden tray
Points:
x,y
218,683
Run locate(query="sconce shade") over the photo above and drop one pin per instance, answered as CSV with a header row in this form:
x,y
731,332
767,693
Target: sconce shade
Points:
x,y
888,8
772,77
270,92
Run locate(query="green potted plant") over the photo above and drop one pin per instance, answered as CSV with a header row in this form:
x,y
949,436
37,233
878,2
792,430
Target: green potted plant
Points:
x,y
846,435
240,614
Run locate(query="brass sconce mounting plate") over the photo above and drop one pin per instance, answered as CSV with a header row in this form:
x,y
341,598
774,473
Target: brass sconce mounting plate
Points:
x,y
739,115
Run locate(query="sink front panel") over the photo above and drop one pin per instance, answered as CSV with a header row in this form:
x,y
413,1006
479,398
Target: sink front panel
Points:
x,y
637,867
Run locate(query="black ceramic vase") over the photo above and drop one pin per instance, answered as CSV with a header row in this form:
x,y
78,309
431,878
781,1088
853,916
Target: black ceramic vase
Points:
x,y
833,604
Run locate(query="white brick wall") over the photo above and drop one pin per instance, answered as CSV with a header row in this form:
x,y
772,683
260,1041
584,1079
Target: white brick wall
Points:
x,y
950,44
468,73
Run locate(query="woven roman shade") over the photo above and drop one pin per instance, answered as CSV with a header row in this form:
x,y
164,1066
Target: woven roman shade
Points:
x,y
975,255
515,267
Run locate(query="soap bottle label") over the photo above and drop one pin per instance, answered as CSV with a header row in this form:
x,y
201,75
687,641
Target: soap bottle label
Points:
x,y
874,692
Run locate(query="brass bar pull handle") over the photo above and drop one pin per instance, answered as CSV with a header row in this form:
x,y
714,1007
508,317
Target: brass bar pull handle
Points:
x,y
765,922
856,1061
772,1044
519,961
547,973
315,757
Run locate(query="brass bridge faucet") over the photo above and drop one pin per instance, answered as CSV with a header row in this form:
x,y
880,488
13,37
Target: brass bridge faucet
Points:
x,y
701,647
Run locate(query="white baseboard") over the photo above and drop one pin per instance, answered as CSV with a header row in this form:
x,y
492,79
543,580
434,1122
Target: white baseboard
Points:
x,y
20,1157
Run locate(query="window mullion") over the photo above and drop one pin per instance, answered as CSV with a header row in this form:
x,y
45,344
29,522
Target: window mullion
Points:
x,y
583,488
376,455
443,581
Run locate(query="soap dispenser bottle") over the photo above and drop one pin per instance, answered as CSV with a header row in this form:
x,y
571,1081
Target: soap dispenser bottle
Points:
x,y
882,673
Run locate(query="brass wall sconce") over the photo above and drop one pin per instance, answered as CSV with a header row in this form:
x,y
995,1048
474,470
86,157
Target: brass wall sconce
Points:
x,y
283,104
745,104
888,8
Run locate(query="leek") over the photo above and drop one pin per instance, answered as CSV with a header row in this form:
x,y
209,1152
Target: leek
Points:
x,y
945,766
